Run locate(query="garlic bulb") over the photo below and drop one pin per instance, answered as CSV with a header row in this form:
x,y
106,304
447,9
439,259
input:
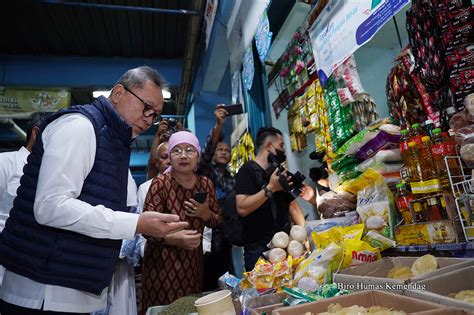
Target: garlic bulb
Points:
x,y
280,240
295,249
298,233
276,255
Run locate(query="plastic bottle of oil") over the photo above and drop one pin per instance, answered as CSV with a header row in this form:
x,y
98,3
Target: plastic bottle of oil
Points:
x,y
404,197
438,152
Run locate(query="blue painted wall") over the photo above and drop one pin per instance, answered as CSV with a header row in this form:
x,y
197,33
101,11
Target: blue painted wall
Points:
x,y
213,82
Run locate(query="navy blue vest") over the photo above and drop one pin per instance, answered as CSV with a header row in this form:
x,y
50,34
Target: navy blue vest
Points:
x,y
64,258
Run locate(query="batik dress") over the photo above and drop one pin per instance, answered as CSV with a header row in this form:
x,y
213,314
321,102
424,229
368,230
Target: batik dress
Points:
x,y
170,272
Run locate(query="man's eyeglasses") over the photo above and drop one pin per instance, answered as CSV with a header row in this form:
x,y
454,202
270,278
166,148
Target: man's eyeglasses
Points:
x,y
148,110
188,151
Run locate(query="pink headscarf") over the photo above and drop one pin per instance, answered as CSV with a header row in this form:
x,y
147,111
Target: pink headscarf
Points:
x,y
181,137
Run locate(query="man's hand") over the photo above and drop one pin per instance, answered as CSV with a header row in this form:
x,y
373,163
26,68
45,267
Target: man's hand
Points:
x,y
307,193
193,208
274,182
162,127
159,224
185,239
220,114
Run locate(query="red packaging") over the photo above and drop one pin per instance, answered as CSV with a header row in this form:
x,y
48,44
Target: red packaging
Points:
x,y
453,5
450,42
462,81
460,58
454,19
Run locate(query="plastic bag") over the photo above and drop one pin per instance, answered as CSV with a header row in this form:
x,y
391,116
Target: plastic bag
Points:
x,y
325,238
375,207
379,167
320,264
357,252
355,185
351,146
383,140
378,241
332,202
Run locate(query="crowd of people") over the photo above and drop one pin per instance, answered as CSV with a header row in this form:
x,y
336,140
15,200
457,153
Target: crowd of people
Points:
x,y
75,228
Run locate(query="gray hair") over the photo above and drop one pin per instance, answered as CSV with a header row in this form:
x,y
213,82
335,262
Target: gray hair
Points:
x,y
137,77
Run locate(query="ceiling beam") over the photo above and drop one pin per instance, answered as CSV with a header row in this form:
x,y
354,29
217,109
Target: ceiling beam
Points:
x,y
120,7
191,54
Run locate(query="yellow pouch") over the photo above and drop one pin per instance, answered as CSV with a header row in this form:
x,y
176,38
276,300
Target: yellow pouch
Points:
x,y
357,252
353,231
324,238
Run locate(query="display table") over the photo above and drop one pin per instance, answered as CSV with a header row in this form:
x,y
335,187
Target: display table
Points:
x,y
461,250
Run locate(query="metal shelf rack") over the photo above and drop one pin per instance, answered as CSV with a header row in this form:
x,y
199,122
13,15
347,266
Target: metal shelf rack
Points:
x,y
462,186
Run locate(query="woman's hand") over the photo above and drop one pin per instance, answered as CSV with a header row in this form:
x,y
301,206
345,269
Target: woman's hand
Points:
x,y
185,239
307,193
195,209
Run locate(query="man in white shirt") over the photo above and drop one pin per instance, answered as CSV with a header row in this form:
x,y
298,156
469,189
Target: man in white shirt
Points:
x,y
61,243
11,169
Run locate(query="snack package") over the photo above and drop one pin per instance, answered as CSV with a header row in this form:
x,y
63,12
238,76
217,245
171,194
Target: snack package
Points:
x,y
325,238
378,241
282,274
263,275
320,265
357,252
355,185
376,208
353,232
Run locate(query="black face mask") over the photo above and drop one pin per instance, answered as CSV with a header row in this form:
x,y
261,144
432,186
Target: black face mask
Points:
x,y
280,157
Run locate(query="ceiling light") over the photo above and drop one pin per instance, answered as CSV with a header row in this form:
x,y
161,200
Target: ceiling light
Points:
x,y
96,94
166,94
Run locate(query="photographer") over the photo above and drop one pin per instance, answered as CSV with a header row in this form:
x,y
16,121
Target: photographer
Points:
x,y
265,207
166,128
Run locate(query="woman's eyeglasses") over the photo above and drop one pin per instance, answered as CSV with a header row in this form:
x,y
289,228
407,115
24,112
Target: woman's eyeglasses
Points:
x,y
148,110
176,152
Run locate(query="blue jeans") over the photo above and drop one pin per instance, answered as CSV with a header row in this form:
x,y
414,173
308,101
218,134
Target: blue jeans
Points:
x,y
252,253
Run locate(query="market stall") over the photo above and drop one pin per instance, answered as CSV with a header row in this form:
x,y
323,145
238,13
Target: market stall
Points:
x,y
397,222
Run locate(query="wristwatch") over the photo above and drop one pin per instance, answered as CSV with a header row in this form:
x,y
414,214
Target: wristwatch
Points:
x,y
268,192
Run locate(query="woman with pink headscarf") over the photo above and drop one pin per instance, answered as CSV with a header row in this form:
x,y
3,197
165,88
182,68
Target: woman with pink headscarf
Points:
x,y
172,266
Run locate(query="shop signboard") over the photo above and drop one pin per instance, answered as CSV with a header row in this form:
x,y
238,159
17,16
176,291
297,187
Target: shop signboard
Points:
x,y
345,25
20,103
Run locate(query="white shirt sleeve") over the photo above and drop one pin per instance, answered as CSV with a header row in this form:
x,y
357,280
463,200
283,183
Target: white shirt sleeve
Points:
x,y
69,151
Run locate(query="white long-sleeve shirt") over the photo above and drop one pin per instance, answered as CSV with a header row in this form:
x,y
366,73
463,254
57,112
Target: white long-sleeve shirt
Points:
x,y
11,169
69,153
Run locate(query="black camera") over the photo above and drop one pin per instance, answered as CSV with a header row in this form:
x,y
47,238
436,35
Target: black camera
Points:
x,y
172,124
297,179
